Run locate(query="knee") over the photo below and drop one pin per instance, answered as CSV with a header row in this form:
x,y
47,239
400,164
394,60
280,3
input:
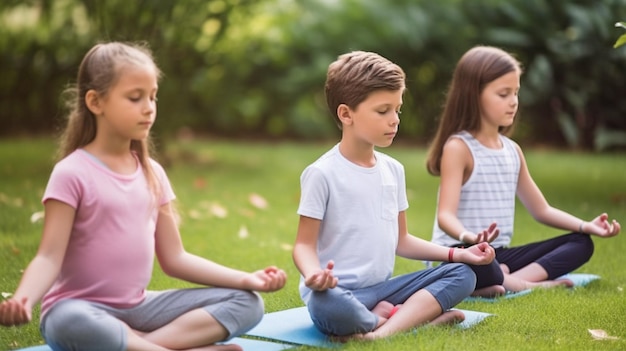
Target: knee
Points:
x,y
75,325
488,275
464,277
253,304
322,303
589,247
68,319
246,309
585,245
336,313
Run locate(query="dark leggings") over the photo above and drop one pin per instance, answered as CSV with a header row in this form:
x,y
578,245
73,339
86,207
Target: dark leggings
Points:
x,y
558,256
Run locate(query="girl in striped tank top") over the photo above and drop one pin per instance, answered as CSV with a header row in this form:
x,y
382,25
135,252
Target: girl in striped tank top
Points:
x,y
483,171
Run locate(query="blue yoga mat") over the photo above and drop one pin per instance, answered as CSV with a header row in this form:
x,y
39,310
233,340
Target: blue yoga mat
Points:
x,y
295,326
246,344
259,345
579,280
36,348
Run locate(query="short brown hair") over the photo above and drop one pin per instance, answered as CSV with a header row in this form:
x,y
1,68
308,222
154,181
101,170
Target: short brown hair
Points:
x,y
355,75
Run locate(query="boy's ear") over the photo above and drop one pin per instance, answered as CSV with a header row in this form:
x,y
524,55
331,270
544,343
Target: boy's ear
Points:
x,y
344,114
92,100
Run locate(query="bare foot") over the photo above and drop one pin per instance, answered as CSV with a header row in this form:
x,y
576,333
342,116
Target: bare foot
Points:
x,y
448,318
553,283
383,309
490,291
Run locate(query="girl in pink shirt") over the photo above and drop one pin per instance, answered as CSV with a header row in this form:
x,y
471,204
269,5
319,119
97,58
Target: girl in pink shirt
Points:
x,y
108,211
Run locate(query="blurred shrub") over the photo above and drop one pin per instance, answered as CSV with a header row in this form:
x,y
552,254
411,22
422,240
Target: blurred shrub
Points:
x,y
256,68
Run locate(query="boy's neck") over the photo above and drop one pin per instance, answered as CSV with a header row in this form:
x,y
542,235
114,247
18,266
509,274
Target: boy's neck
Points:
x,y
359,154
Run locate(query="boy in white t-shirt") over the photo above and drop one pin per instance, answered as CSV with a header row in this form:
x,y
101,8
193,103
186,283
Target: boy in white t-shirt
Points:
x,y
353,221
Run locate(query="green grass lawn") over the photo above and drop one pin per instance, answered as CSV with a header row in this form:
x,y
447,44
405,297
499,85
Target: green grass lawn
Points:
x,y
215,180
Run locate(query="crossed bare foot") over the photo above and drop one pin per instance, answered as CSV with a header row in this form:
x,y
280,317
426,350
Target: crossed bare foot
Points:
x,y
383,309
490,291
553,283
448,318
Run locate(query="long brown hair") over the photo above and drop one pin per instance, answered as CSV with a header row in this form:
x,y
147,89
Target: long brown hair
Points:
x,y
99,71
477,67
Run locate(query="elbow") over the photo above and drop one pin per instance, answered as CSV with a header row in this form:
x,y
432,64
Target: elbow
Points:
x,y
443,218
169,270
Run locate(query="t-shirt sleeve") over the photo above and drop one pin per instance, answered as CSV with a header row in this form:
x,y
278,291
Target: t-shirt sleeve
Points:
x,y
64,185
314,193
167,193
403,202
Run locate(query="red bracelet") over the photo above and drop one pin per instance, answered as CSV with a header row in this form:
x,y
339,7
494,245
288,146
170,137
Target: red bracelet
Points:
x,y
450,254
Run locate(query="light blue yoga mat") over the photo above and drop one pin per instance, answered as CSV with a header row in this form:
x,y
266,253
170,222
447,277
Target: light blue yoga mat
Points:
x,y
246,344
259,345
579,280
295,326
36,348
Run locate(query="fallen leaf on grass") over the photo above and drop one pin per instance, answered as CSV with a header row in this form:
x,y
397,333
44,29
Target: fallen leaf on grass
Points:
x,y
37,216
243,232
195,214
599,334
199,183
218,210
258,201
6,295
17,202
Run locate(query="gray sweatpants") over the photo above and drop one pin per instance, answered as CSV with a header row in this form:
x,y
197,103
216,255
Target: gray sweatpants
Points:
x,y
73,325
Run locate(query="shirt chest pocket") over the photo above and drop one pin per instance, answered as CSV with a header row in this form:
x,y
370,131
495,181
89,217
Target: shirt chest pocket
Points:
x,y
389,203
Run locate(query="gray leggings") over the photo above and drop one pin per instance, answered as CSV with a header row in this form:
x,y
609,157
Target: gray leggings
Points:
x,y
73,325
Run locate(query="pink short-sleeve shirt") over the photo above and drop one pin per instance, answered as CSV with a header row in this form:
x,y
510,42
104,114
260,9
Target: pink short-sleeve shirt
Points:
x,y
110,254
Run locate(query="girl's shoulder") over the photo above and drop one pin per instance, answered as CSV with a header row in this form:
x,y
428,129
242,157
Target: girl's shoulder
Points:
x,y
74,162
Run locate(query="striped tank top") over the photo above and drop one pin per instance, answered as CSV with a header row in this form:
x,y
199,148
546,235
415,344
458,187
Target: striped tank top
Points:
x,y
489,193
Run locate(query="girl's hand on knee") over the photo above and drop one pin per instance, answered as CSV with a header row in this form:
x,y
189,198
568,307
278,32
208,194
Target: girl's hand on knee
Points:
x,y
14,312
268,279
601,226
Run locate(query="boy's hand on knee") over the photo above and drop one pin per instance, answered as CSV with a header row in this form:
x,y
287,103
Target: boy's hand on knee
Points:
x,y
479,254
322,279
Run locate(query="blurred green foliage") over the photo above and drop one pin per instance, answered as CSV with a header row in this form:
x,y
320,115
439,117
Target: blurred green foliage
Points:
x,y
256,68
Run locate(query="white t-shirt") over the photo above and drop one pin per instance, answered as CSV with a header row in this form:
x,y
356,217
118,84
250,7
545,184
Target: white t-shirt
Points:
x,y
359,209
